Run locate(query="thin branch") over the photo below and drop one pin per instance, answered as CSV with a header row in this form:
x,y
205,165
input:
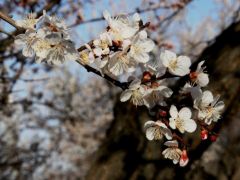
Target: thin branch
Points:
x,y
152,8
9,20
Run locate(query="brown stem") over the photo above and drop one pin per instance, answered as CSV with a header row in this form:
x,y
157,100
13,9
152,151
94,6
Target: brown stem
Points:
x,y
9,20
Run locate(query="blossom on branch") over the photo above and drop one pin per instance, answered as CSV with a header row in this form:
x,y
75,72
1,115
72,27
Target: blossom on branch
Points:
x,y
172,152
135,92
182,120
176,65
199,76
209,108
156,130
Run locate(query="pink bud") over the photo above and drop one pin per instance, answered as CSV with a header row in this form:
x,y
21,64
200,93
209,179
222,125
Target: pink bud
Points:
x,y
213,138
183,159
163,113
147,76
204,134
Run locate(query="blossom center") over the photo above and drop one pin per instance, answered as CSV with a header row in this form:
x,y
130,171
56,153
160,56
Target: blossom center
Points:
x,y
173,64
179,124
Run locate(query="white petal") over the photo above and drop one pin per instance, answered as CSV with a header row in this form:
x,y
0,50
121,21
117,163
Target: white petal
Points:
x,y
97,51
135,84
142,58
136,17
219,106
167,56
172,123
115,67
173,143
185,113
184,61
28,51
173,111
179,71
203,79
166,92
190,125
125,95
207,98
202,114
175,161
106,15
142,34
150,133
168,134
148,45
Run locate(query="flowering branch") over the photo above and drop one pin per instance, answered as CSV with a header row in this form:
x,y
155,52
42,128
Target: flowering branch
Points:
x,y
118,50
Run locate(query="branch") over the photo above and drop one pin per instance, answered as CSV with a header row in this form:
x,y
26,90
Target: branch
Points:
x,y
9,20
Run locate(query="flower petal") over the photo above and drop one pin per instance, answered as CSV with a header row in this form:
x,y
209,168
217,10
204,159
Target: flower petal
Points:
x,y
173,111
207,98
166,56
125,95
202,79
190,125
185,113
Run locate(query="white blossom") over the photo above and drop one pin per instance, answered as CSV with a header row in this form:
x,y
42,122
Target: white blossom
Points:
x,y
172,152
135,91
209,108
29,22
195,91
140,47
176,65
86,56
26,40
122,27
182,120
102,44
156,94
120,62
199,76
60,50
53,25
156,130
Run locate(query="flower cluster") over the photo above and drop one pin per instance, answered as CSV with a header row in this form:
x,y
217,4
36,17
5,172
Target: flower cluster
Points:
x,y
121,47
119,50
172,122
46,38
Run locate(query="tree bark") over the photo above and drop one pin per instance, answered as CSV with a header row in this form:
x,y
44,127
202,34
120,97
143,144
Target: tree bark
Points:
x,y
126,154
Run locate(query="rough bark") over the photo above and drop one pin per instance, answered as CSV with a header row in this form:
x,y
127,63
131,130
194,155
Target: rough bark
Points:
x,y
126,154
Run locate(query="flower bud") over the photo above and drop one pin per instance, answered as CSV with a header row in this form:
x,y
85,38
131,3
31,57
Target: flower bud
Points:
x,y
162,113
147,76
193,75
184,158
204,134
213,138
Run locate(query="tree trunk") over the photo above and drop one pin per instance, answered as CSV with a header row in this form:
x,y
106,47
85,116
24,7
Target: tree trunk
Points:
x,y
126,154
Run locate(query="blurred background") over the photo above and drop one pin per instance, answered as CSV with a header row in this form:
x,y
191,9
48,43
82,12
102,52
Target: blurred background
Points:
x,y
65,123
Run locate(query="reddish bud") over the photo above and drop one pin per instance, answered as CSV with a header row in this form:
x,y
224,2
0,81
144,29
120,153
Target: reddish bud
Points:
x,y
213,138
204,134
154,84
193,75
147,76
184,158
163,113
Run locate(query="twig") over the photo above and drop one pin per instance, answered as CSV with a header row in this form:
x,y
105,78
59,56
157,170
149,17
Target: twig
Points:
x,y
9,20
